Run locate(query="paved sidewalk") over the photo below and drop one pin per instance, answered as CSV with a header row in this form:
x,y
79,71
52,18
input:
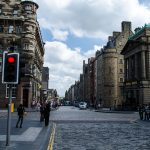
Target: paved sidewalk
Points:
x,y
32,136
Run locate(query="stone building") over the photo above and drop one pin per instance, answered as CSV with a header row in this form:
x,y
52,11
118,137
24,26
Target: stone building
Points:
x,y
89,85
110,70
80,92
45,83
20,32
85,81
137,68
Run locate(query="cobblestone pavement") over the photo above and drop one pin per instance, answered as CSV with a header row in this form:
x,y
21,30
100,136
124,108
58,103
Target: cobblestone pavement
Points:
x,y
75,130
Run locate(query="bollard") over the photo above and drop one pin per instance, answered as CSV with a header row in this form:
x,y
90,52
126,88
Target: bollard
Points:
x,y
12,107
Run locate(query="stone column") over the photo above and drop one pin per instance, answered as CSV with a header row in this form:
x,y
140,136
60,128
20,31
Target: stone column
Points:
x,y
143,69
148,61
125,69
129,69
136,67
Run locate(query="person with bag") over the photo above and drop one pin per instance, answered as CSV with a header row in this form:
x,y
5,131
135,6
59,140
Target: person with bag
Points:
x,y
21,112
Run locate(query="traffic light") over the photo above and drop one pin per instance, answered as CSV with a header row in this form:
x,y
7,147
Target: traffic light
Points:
x,y
10,68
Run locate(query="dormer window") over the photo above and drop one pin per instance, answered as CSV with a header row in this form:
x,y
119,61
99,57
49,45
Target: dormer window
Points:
x,y
28,8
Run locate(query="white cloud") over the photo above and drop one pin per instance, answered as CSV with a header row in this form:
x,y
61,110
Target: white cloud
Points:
x,y
65,64
60,35
82,18
91,53
91,18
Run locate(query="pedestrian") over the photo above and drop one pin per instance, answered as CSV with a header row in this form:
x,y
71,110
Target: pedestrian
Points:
x,y
38,106
33,104
146,110
141,112
42,113
21,112
149,111
47,113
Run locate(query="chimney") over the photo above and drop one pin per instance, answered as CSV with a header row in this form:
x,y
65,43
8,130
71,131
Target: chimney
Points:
x,y
126,26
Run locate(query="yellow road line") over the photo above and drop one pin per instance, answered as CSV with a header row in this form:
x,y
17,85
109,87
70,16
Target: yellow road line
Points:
x,y
51,141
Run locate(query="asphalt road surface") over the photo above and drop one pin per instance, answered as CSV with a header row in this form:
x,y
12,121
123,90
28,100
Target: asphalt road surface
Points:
x,y
75,129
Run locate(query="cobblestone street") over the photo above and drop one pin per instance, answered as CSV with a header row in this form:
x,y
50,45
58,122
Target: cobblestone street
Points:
x,y
105,133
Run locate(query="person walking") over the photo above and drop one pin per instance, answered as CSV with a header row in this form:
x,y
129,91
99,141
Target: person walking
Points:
x,y
141,112
146,110
47,113
42,113
20,111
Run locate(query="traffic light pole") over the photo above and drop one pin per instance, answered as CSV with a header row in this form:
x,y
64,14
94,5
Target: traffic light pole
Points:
x,y
9,116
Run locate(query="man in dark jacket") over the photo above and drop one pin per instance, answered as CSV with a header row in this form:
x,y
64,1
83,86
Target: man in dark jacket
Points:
x,y
47,113
20,111
42,112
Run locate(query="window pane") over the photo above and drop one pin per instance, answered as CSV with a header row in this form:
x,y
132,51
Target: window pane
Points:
x,y
11,28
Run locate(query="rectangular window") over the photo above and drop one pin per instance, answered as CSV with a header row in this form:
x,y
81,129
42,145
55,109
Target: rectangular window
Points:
x,y
18,29
127,69
15,13
121,61
11,29
26,46
1,28
121,79
121,71
28,7
0,11
14,91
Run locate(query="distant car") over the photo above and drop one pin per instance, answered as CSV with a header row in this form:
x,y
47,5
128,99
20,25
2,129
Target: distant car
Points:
x,y
76,103
82,105
67,103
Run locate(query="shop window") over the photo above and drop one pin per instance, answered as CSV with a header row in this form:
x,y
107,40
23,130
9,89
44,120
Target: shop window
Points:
x,y
14,91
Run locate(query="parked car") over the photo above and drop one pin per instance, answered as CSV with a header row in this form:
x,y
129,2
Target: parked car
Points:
x,y
82,105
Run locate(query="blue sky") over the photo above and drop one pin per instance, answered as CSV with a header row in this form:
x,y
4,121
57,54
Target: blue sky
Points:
x,y
84,43
74,29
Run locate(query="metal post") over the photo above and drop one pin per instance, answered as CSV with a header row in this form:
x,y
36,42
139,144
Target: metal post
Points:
x,y
9,116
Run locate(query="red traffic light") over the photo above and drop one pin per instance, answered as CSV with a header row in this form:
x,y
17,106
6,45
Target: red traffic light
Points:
x,y
11,59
